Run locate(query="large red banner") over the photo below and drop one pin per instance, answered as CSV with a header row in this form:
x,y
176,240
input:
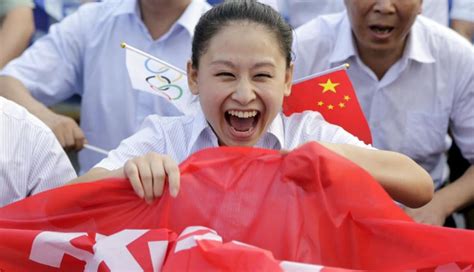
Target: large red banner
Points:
x,y
309,206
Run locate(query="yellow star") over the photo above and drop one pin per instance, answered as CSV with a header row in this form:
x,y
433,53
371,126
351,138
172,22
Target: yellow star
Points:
x,y
346,97
330,107
320,103
342,105
329,86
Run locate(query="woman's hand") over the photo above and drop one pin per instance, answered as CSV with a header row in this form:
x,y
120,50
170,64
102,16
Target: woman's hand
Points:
x,y
148,173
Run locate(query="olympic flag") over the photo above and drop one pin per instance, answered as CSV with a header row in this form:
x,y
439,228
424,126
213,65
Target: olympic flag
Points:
x,y
152,75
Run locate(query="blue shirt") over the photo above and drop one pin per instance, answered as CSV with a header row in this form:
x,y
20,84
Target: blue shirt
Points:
x,y
82,55
429,90
182,136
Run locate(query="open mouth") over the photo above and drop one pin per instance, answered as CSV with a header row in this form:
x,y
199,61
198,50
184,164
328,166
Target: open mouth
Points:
x,y
242,123
381,30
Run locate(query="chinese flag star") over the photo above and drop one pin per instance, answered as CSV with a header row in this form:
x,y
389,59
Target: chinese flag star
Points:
x,y
329,86
339,107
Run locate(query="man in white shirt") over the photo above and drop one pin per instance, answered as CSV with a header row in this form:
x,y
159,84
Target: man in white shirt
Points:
x,y
298,12
31,158
82,55
414,80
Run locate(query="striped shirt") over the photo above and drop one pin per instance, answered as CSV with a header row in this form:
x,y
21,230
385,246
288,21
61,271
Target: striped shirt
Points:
x,y
31,158
182,136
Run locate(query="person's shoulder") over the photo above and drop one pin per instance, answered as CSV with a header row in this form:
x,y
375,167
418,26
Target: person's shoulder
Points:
x,y
303,119
320,27
441,39
103,10
167,123
11,111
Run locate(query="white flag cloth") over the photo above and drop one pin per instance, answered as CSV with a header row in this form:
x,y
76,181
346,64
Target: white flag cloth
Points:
x,y
152,75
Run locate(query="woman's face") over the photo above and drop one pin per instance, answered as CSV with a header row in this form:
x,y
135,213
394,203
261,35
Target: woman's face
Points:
x,y
241,81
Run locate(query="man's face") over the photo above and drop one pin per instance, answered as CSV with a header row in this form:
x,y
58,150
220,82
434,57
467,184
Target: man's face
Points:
x,y
382,25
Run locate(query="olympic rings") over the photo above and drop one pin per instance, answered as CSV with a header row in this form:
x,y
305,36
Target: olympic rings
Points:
x,y
165,87
167,82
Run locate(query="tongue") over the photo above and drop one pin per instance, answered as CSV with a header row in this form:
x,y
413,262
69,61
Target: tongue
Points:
x,y
241,124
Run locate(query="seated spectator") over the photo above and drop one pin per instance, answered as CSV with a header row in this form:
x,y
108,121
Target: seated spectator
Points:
x,y
82,55
414,80
16,28
31,158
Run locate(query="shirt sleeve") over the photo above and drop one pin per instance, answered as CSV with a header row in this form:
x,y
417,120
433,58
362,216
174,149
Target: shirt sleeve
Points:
x,y
317,129
50,167
51,68
148,139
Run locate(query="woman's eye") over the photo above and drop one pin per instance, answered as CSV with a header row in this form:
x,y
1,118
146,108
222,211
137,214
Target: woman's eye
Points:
x,y
224,74
263,75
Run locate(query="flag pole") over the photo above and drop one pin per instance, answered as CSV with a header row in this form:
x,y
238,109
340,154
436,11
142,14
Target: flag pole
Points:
x,y
127,46
96,149
337,68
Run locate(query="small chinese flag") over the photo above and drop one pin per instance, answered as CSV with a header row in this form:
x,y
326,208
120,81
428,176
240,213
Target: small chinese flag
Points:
x,y
331,93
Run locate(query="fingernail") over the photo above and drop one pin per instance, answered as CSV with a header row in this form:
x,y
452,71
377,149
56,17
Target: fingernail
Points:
x,y
149,201
174,192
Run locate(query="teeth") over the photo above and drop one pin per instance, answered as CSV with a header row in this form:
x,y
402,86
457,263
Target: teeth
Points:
x,y
382,30
242,114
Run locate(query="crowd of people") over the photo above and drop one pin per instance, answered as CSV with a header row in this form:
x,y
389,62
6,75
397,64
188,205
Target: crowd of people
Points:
x,y
414,79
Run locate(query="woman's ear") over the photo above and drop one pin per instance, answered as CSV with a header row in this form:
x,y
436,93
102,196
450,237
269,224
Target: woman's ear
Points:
x,y
288,79
192,78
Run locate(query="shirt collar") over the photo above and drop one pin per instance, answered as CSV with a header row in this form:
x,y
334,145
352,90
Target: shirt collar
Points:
x,y
127,7
276,130
344,47
188,19
191,15
202,127
416,47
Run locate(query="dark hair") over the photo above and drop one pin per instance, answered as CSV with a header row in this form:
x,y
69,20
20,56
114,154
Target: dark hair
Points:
x,y
227,12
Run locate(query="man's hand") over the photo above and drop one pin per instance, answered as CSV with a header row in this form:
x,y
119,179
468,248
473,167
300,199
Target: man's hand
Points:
x,y
148,173
432,213
68,132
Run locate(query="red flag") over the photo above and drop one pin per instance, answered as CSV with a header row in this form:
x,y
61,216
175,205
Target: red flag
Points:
x,y
331,93
309,206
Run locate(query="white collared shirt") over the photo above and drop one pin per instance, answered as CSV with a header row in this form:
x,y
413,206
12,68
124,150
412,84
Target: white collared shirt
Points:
x,y
31,158
82,55
182,136
428,91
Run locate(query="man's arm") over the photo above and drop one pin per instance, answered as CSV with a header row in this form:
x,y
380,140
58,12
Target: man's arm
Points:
x,y
15,33
447,200
67,131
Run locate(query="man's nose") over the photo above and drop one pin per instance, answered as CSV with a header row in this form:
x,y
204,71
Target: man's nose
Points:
x,y
384,6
